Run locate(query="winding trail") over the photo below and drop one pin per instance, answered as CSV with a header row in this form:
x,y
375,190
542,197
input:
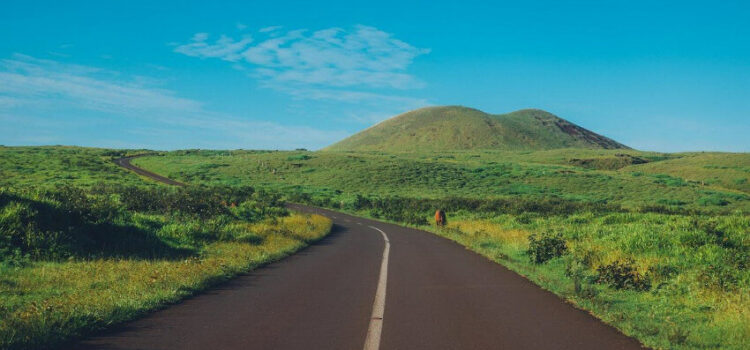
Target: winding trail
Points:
x,y
438,296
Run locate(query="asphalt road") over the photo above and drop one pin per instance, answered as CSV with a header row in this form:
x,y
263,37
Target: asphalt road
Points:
x,y
125,163
435,295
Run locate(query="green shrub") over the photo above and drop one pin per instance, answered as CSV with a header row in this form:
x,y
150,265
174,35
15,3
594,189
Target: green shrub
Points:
x,y
299,157
622,275
29,230
669,180
111,220
712,200
545,247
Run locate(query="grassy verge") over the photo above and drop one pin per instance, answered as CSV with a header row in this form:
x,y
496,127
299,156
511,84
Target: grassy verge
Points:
x,y
633,271
125,251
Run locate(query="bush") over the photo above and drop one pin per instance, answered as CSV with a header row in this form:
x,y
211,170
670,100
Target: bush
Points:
x,y
254,211
712,200
30,229
103,220
622,275
545,247
299,157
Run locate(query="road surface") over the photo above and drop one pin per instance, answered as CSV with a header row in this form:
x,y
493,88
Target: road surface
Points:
x,y
349,292
125,163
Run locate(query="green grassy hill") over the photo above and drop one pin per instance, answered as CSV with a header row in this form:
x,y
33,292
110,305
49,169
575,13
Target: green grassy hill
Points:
x,y
461,128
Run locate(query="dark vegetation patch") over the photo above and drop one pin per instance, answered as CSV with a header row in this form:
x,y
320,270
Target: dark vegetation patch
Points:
x,y
102,220
299,157
587,135
618,161
412,210
546,246
623,275
397,206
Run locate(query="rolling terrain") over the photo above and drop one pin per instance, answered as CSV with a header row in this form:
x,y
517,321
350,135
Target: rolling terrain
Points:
x,y
452,128
569,174
654,244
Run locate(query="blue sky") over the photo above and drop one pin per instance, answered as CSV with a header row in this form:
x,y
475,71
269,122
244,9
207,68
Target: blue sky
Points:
x,y
663,76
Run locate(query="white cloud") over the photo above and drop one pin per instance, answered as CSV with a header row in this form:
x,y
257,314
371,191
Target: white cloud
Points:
x,y
363,58
37,94
224,48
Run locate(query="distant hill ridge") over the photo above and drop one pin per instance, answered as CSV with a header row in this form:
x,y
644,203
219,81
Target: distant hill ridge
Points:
x,y
447,128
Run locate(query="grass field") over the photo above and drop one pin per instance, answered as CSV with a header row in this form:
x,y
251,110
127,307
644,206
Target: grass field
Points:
x,y
650,246
48,166
730,171
472,174
80,251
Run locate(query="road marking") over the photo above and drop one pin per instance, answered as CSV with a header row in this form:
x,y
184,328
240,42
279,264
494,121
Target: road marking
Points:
x,y
372,342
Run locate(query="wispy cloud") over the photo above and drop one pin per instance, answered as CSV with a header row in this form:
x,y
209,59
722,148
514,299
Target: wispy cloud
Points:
x,y
363,61
48,83
223,48
269,29
42,92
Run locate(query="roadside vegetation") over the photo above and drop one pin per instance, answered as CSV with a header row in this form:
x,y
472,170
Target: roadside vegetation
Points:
x,y
78,256
660,252
672,281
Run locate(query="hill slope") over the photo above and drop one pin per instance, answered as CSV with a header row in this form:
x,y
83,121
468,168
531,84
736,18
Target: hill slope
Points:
x,y
461,128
